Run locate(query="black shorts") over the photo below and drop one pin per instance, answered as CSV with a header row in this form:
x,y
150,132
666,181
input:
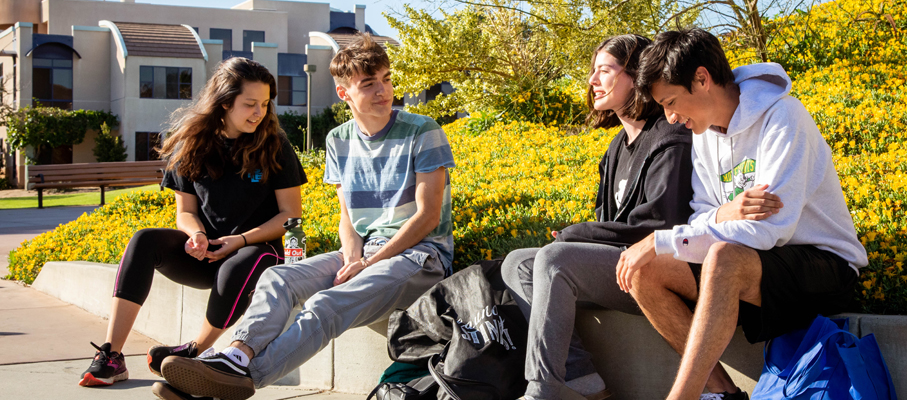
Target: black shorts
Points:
x,y
798,282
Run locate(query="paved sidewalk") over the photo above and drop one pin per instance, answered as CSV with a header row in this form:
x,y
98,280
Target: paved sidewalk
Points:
x,y
44,342
19,225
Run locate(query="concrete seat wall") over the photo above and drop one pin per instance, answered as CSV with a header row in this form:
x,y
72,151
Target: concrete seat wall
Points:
x,y
634,360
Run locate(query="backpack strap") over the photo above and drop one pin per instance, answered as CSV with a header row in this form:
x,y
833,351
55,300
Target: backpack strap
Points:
x,y
442,384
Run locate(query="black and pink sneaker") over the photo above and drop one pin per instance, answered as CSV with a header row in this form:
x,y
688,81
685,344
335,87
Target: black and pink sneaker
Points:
x,y
106,368
157,354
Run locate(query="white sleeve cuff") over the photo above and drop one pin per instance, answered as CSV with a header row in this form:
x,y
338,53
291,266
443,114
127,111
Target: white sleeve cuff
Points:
x,y
664,241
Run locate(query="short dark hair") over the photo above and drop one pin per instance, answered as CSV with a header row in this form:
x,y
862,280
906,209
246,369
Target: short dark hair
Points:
x,y
626,49
674,57
362,56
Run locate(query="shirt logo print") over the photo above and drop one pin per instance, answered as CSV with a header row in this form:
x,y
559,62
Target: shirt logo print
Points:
x,y
739,178
255,177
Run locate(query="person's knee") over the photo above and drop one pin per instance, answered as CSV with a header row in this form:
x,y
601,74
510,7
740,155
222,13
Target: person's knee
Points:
x,y
149,237
511,268
645,281
518,266
724,261
733,266
552,261
271,279
659,275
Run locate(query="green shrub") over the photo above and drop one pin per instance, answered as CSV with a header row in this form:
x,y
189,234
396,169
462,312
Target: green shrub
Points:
x,y
341,111
294,124
108,147
45,127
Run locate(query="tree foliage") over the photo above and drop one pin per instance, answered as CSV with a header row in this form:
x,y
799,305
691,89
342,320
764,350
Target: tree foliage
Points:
x,y
108,147
522,59
6,105
748,24
48,127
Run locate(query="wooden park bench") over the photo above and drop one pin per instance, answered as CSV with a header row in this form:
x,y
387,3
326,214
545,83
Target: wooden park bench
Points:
x,y
106,174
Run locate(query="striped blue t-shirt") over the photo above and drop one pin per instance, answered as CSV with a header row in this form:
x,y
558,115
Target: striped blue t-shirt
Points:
x,y
378,176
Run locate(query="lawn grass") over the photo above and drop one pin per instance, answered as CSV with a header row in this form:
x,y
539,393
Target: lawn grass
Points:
x,y
75,199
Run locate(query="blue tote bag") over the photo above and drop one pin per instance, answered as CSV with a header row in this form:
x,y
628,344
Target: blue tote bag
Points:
x,y
824,362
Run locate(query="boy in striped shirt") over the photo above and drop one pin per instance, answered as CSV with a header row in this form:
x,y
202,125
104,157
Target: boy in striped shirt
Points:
x,y
390,170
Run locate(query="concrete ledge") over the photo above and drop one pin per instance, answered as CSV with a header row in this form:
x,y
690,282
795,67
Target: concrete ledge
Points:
x,y
633,359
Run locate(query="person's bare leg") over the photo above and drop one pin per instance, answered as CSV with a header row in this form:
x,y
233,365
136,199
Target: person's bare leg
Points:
x,y
207,336
730,273
122,317
660,289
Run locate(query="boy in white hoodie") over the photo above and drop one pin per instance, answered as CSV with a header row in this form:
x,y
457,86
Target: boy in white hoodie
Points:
x,y
771,273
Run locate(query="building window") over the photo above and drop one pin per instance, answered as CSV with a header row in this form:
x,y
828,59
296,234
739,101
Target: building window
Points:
x,y
165,82
145,145
2,92
52,76
223,34
291,90
251,36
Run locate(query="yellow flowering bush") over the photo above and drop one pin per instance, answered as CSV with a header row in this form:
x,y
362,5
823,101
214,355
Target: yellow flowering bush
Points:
x,y
513,185
562,103
516,181
99,237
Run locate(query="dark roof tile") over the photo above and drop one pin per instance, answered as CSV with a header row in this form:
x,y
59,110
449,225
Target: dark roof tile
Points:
x,y
158,40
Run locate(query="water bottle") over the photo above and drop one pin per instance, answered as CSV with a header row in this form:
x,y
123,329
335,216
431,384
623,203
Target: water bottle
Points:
x,y
293,241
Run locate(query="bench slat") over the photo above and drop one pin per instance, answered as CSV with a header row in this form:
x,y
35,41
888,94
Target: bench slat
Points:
x,y
109,165
75,173
129,182
129,174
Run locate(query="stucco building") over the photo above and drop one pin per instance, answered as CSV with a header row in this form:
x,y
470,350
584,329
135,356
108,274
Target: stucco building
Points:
x,y
143,61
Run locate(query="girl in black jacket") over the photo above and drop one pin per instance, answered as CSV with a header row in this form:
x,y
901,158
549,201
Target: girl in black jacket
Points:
x,y
644,186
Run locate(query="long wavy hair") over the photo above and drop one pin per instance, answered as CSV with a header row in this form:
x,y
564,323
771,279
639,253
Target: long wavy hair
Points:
x,y
627,50
195,145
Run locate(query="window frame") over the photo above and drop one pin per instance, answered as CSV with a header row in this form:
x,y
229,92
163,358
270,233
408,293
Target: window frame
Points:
x,y
247,45
57,63
228,45
177,87
150,140
290,90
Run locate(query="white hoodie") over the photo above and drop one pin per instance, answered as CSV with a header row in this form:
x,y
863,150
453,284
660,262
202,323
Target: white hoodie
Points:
x,y
771,140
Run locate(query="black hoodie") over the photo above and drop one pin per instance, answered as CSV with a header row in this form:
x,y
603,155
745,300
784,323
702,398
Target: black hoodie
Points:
x,y
657,195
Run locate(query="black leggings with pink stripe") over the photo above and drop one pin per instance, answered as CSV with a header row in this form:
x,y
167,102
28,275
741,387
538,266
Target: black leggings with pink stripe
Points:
x,y
231,279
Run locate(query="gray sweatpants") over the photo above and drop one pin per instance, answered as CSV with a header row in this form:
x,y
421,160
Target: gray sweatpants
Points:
x,y
549,283
327,310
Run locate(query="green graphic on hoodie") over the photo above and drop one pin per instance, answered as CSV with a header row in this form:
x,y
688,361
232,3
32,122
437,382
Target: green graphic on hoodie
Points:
x,y
741,176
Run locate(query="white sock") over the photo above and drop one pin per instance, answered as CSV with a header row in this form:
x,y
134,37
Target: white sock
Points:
x,y
588,384
236,355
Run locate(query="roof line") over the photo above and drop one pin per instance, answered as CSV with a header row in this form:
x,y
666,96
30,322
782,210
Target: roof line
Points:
x,y
198,40
117,36
328,38
61,44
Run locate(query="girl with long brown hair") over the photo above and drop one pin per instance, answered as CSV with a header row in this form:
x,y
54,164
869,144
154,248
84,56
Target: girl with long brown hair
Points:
x,y
236,179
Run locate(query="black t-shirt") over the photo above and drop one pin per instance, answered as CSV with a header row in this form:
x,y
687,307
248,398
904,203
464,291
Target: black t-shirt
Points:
x,y
234,204
622,171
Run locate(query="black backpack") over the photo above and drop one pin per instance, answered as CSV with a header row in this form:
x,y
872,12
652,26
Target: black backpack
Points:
x,y
468,332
